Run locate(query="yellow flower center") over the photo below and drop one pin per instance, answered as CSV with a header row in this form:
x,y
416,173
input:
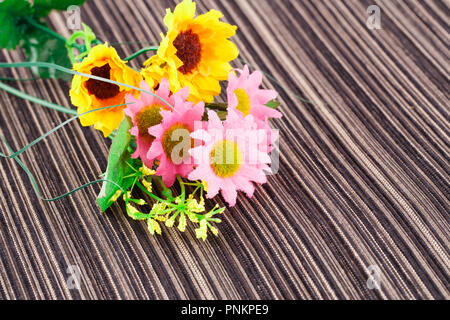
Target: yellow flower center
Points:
x,y
226,158
176,136
243,101
146,118
102,90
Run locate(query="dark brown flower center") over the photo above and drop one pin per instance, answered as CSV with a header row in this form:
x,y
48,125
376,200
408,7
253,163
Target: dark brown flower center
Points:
x,y
102,90
147,118
189,50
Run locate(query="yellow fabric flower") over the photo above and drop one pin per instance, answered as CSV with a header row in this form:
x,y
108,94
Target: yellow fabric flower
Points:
x,y
88,94
195,52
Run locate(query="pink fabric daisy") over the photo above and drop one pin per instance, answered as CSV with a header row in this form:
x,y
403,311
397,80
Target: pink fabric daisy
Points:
x,y
230,158
145,113
172,138
244,95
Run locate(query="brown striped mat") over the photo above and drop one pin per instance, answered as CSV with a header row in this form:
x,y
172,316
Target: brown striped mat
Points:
x,y
363,181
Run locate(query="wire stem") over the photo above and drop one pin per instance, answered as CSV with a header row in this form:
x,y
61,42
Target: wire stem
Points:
x,y
44,103
138,53
50,32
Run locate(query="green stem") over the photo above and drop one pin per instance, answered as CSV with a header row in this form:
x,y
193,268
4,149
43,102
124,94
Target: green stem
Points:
x,y
35,185
143,50
134,183
190,184
44,103
195,191
183,190
129,176
165,212
132,168
153,196
161,183
50,32
14,155
43,28
166,191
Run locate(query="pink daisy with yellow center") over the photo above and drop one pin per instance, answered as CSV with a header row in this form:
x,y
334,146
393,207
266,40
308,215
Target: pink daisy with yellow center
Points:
x,y
172,138
145,113
230,158
244,95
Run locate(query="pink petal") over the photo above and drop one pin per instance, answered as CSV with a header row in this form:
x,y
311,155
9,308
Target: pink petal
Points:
x,y
167,171
264,96
253,174
202,135
232,100
199,154
245,186
196,174
231,78
234,116
155,150
245,72
135,154
213,187
156,131
184,170
168,178
144,86
213,120
183,93
134,106
263,112
255,80
164,88
229,192
129,98
143,146
166,113
134,131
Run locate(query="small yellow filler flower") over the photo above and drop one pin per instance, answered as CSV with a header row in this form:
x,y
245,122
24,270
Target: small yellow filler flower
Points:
x,y
89,94
195,52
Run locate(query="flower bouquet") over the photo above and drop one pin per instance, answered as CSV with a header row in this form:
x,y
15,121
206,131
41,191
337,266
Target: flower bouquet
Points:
x,y
165,126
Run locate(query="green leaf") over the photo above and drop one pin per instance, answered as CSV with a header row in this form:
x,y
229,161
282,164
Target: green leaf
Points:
x,y
10,13
272,104
43,7
39,46
118,168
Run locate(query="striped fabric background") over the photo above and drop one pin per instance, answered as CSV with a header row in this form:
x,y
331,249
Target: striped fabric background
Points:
x,y
363,179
